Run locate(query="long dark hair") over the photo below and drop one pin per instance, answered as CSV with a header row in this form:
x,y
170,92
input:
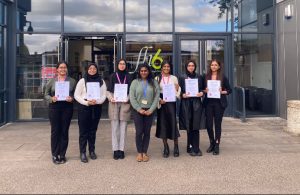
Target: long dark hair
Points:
x,y
150,76
219,73
193,74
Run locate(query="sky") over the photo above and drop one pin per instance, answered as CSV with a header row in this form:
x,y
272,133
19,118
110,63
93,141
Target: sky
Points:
x,y
107,16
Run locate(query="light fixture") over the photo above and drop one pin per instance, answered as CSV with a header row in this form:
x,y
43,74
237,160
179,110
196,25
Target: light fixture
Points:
x,y
288,11
29,29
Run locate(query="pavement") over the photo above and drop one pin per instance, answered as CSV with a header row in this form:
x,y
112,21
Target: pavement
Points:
x,y
255,157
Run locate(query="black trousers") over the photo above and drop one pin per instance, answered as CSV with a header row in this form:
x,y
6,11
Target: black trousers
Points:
x,y
88,120
193,139
214,115
60,115
142,127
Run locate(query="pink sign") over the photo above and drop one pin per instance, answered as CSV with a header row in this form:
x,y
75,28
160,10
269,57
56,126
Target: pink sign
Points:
x,y
48,72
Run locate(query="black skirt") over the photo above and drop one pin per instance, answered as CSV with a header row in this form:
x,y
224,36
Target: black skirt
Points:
x,y
166,127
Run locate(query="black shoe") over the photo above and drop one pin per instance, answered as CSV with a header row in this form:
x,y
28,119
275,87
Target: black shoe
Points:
x,y
121,154
166,151
210,148
63,160
83,158
189,149
55,160
199,153
93,155
216,150
116,155
176,150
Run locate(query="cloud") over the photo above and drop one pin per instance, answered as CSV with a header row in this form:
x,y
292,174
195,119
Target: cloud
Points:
x,y
34,43
107,15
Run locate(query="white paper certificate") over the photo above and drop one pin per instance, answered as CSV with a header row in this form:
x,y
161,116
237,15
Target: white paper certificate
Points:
x,y
93,91
120,92
191,87
213,87
62,90
169,93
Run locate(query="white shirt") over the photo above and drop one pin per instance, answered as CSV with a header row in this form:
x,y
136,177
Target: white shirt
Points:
x,y
80,93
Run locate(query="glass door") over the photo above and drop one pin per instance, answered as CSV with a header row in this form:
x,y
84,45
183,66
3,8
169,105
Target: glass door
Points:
x,y
79,51
203,49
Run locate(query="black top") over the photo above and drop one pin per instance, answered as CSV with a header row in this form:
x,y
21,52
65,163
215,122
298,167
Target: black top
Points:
x,y
113,79
225,87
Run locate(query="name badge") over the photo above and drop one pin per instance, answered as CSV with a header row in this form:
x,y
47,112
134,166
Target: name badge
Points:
x,y
144,102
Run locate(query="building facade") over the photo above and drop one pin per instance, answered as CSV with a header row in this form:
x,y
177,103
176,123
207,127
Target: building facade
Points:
x,y
250,37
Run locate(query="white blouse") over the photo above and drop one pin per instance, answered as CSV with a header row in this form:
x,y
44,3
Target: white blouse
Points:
x,y
169,80
80,93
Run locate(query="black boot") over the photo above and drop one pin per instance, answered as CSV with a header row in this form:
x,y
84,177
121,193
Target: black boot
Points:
x,y
93,155
211,147
166,151
83,158
121,154
189,149
176,150
116,155
216,149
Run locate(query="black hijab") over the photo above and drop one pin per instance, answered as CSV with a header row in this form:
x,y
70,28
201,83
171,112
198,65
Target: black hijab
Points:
x,y
93,78
191,74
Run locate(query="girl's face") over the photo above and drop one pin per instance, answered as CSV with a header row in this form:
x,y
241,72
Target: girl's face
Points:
x,y
166,69
92,70
62,69
191,67
144,72
214,66
122,65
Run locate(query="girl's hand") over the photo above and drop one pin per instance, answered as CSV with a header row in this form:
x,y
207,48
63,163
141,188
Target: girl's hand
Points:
x,y
54,99
69,99
162,102
200,94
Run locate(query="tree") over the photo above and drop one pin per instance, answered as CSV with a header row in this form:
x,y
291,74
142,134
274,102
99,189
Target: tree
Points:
x,y
224,7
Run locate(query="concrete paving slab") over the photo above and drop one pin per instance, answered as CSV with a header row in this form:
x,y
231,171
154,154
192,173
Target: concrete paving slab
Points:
x,y
256,157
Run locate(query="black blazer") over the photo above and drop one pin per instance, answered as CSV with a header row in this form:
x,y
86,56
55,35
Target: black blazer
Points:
x,y
225,87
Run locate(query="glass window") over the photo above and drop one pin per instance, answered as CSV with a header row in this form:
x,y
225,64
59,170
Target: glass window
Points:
x,y
40,16
91,16
253,71
202,16
161,16
136,15
253,16
1,13
152,49
33,72
1,60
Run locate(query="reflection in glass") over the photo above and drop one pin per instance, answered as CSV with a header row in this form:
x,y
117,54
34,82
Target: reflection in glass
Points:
x,y
161,16
253,71
253,16
152,49
104,16
1,13
1,60
45,15
214,49
200,15
34,69
136,15
189,51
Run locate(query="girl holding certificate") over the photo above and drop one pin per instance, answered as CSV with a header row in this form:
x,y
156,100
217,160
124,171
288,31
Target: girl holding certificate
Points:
x,y
144,97
166,127
90,93
60,111
191,112
119,108
215,102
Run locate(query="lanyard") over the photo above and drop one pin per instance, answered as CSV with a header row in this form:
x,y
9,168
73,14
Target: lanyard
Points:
x,y
164,79
145,88
120,80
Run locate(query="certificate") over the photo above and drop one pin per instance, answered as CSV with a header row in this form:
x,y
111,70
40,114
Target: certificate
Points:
x,y
213,87
62,90
120,92
191,87
169,93
93,91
